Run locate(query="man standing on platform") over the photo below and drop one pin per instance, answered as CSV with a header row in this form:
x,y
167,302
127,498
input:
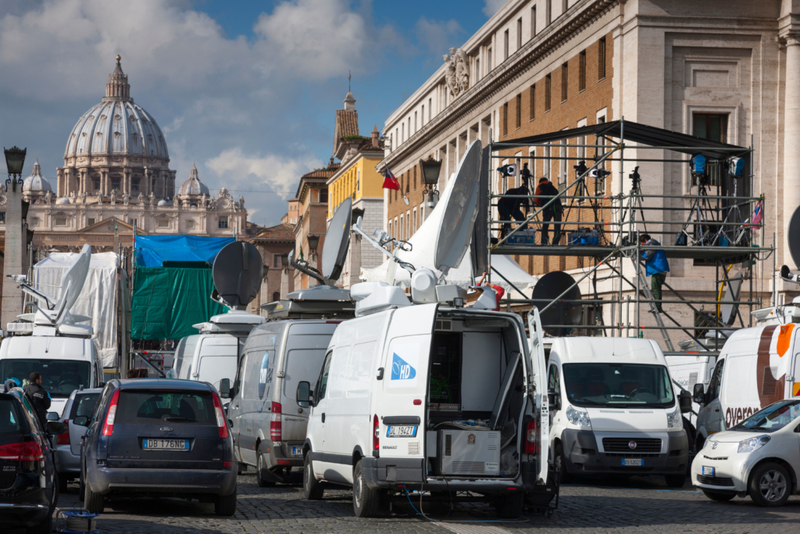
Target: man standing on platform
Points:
x,y
657,267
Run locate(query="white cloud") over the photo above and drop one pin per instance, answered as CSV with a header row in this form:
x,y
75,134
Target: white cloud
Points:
x,y
490,7
437,36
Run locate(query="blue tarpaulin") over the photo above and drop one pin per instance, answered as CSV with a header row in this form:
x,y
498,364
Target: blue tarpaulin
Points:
x,y
154,250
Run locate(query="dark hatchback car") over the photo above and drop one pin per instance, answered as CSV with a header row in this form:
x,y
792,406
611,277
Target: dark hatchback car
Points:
x,y
28,479
158,437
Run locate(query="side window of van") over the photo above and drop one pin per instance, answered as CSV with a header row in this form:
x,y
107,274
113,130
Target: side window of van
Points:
x,y
716,381
239,383
322,383
552,380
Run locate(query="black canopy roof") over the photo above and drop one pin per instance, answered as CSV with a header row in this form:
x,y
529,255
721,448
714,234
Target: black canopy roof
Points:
x,y
635,132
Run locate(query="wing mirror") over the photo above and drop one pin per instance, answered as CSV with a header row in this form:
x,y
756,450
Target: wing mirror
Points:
x,y
54,428
685,401
81,420
52,416
699,393
304,396
225,388
553,399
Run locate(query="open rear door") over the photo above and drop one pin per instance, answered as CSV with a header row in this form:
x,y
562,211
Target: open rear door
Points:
x,y
539,392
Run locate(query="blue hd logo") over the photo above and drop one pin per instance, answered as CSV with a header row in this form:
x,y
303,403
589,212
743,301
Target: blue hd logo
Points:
x,y
401,370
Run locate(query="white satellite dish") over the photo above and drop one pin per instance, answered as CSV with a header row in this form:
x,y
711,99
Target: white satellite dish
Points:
x,y
453,238
337,241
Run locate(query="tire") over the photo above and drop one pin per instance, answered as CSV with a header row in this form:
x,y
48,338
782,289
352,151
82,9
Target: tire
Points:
x,y
675,481
770,485
312,488
92,501
63,482
719,496
560,464
511,505
225,504
262,477
365,500
45,527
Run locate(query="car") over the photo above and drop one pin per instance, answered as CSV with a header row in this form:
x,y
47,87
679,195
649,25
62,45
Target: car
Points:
x,y
158,437
68,445
759,457
28,478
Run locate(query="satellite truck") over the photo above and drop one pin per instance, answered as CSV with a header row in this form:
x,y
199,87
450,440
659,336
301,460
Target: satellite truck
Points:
x,y
212,355
268,424
425,396
51,342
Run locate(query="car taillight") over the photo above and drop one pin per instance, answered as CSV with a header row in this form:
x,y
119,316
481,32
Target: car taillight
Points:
x,y
28,451
63,439
222,425
108,426
531,438
275,422
376,433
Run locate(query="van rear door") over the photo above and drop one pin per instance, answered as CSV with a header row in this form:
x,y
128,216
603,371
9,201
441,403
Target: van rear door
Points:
x,y
538,393
218,358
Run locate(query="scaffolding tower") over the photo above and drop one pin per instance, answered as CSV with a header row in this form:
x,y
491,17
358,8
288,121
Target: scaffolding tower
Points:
x,y
718,223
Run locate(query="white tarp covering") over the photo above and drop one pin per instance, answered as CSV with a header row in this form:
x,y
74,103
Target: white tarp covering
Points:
x,y
98,298
423,244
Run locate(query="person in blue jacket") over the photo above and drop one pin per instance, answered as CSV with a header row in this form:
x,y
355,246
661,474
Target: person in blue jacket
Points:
x,y
657,267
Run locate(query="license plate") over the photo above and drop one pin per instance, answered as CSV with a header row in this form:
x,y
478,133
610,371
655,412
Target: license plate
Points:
x,y
166,444
708,471
636,462
401,431
297,451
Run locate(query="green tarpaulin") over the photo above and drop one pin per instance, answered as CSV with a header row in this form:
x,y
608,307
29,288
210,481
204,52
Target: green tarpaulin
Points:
x,y
167,301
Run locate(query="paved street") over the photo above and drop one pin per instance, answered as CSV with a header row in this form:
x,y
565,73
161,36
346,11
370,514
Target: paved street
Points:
x,y
636,505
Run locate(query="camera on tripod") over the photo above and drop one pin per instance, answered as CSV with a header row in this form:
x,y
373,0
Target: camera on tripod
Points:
x,y
635,177
698,167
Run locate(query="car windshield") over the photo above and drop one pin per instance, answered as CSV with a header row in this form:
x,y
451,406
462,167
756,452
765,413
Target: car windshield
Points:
x,y
620,385
59,377
84,404
148,407
772,418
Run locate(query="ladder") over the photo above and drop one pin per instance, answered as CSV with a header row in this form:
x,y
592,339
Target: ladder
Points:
x,y
653,308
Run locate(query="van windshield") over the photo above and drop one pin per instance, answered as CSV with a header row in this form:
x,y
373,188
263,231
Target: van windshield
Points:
x,y
620,385
59,377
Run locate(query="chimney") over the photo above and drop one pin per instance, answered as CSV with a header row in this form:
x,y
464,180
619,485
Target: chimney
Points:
x,y
375,136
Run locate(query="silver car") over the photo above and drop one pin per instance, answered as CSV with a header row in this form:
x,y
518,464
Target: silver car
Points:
x,y
68,444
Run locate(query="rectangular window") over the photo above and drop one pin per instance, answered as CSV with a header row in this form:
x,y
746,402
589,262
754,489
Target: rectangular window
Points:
x,y
505,119
490,59
61,221
423,114
276,261
564,6
519,33
582,71
223,222
548,12
402,132
415,122
477,69
711,126
164,223
601,59
401,228
323,196
518,112
96,184
562,167
390,227
532,104
430,108
564,81
547,87
533,22
505,45
135,185
90,221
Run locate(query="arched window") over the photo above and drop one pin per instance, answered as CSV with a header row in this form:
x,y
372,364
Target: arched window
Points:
x,y
276,296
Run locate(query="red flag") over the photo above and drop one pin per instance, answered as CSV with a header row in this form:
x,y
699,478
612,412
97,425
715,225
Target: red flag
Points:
x,y
389,181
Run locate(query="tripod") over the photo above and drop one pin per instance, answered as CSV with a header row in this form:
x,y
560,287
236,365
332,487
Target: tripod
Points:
x,y
634,203
734,214
702,233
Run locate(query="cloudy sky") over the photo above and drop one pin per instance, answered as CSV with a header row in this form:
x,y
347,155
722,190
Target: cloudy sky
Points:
x,y
246,89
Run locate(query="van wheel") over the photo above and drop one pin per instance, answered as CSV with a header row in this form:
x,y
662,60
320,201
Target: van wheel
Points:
x,y
770,485
719,496
262,477
365,500
561,464
511,505
312,488
675,481
225,504
92,501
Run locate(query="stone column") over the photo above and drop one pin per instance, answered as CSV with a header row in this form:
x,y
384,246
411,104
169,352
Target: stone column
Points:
x,y
15,261
791,135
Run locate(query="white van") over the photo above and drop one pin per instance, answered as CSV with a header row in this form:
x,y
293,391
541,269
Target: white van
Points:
x,y
614,410
756,367
427,396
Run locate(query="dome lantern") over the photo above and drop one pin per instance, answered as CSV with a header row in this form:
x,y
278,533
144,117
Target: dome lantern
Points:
x,y
118,87
36,183
193,186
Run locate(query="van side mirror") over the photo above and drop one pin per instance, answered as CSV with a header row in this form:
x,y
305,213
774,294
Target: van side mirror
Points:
x,y
685,401
52,416
225,388
304,395
81,420
54,428
699,393
553,399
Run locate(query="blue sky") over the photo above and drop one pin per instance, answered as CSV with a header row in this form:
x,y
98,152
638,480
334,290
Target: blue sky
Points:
x,y
246,89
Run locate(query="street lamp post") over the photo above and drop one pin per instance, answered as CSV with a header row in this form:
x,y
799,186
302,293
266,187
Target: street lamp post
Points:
x,y
15,159
15,249
430,178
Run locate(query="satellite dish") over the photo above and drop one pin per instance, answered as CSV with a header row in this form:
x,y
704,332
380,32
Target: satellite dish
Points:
x,y
794,237
72,283
453,238
237,272
560,314
337,241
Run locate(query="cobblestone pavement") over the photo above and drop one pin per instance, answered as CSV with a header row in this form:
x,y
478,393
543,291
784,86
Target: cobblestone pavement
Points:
x,y
638,505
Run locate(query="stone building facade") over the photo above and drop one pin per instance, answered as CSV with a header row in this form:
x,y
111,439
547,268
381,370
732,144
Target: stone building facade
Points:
x,y
312,201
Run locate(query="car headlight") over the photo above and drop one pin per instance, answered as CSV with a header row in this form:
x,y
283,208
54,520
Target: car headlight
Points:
x,y
578,417
674,419
753,444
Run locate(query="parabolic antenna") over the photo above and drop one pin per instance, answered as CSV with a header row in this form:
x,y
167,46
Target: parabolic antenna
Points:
x,y
794,237
452,240
337,241
237,272
560,315
72,282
